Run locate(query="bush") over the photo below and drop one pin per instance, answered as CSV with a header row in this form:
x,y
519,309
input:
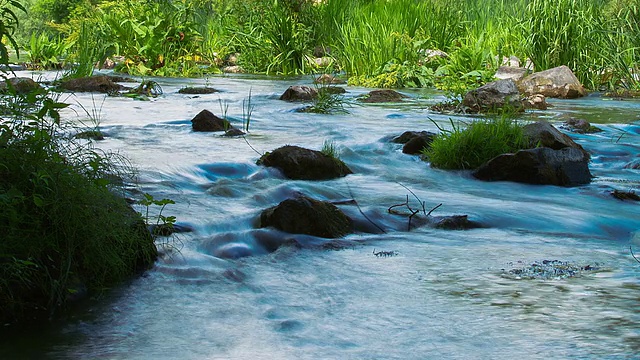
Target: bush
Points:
x,y
476,144
66,229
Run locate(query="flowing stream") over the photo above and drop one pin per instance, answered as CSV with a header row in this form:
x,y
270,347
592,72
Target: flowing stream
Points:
x,y
443,294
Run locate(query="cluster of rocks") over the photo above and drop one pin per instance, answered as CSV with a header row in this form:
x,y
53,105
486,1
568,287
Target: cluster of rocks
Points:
x,y
514,90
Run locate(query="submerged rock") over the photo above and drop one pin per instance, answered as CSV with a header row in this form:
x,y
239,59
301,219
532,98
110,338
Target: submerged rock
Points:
x,y
206,121
299,93
543,166
304,164
21,85
625,195
494,96
100,83
197,90
580,126
304,215
382,96
454,222
559,82
551,269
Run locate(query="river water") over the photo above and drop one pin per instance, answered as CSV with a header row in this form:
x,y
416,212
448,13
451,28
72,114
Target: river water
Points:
x,y
443,294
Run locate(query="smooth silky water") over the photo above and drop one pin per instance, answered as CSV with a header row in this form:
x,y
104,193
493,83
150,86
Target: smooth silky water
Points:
x,y
445,294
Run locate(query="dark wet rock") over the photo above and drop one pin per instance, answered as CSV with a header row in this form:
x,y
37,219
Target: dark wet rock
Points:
x,y
100,83
234,132
90,134
328,79
332,90
559,82
543,166
207,121
625,195
537,101
494,96
382,96
414,142
21,85
197,90
551,269
580,126
514,73
454,222
544,134
303,164
299,93
304,215
321,51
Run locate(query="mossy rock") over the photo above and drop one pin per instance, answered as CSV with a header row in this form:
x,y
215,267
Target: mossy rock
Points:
x,y
304,215
304,164
197,90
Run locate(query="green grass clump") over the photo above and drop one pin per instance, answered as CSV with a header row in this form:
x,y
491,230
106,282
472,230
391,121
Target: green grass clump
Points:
x,y
66,228
480,141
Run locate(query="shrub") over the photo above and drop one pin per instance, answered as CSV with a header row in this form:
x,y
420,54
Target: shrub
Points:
x,y
66,227
474,145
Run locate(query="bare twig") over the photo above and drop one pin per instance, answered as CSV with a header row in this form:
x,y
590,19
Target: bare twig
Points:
x,y
414,195
430,211
360,210
631,250
252,148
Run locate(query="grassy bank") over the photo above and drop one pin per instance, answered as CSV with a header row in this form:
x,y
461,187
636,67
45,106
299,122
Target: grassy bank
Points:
x,y
67,231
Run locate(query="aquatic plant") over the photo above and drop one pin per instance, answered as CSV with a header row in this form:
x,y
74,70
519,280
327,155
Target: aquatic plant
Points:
x,y
329,100
329,148
475,144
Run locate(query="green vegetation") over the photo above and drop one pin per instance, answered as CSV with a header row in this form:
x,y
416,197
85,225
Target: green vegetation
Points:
x,y
480,141
67,230
377,43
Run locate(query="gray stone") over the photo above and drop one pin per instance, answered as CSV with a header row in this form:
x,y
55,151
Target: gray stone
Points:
x,y
559,82
493,96
299,93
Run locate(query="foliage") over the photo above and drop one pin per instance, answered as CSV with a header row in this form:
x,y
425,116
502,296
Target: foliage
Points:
x,y
480,141
329,149
8,26
328,101
66,226
45,52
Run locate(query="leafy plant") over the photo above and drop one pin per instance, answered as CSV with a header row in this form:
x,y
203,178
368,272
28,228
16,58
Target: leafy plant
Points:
x,y
480,141
8,26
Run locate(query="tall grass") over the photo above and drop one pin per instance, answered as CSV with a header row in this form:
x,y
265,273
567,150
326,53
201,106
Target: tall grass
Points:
x,y
478,142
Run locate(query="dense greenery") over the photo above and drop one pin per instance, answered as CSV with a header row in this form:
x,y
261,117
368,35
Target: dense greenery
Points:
x,y
67,230
377,43
475,144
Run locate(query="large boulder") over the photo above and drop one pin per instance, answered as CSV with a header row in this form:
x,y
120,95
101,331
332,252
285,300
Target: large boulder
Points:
x,y
304,164
206,121
21,85
101,83
304,215
494,96
544,166
559,82
299,93
544,134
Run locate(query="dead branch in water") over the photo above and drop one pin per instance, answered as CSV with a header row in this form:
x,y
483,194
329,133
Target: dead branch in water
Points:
x,y
631,250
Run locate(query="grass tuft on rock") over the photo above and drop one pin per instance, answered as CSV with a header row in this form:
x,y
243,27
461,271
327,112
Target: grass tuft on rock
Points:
x,y
475,144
